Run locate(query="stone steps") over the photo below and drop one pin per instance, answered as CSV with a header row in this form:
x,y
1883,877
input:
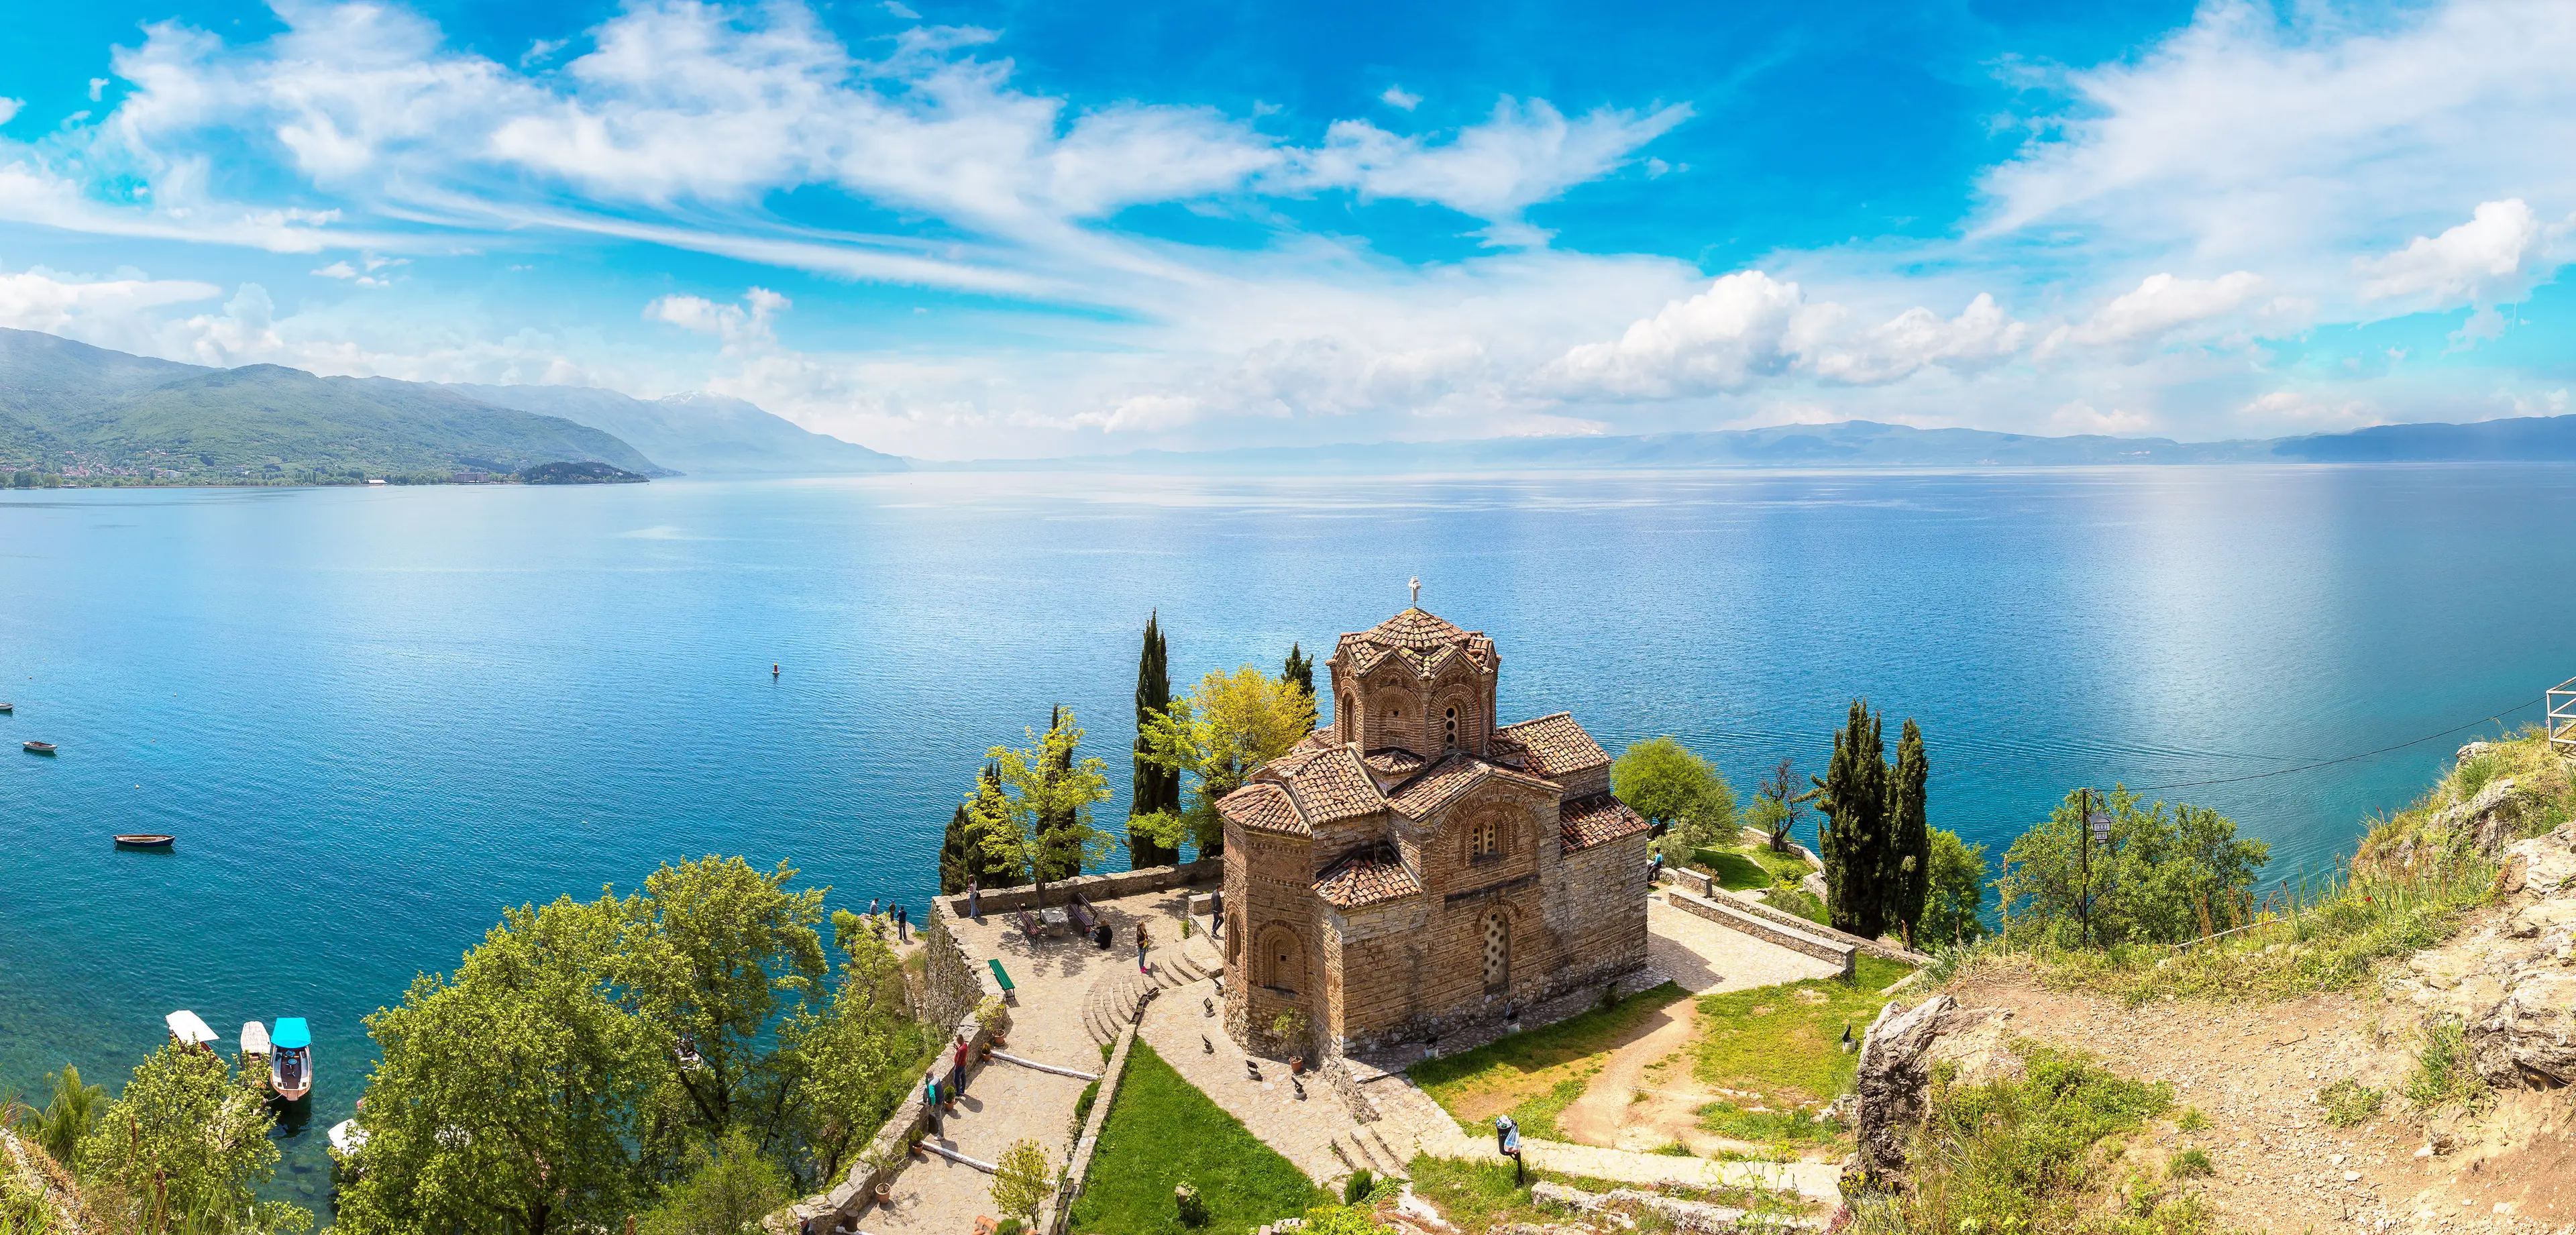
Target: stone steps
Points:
x,y
1113,1000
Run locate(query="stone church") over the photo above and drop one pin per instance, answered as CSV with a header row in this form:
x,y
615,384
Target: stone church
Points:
x,y
1416,868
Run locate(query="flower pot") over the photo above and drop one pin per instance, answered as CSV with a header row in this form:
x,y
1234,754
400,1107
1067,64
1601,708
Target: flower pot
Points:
x,y
1297,1065
885,1191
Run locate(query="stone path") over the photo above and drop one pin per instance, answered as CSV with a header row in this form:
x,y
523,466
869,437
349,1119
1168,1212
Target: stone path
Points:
x,y
1317,1132
1005,1103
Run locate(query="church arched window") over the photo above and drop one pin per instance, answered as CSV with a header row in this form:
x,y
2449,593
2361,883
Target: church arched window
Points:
x,y
1449,729
1484,838
1498,951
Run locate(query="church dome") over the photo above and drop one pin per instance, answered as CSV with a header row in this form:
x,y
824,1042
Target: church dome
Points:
x,y
1416,635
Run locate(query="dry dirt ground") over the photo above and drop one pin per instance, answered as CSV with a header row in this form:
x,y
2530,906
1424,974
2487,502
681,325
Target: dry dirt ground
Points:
x,y
2254,1070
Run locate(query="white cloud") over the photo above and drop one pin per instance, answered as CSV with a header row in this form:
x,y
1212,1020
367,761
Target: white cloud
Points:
x,y
899,9
2486,259
1523,154
1745,326
90,308
97,88
2162,303
337,270
1981,336
9,109
748,322
1400,98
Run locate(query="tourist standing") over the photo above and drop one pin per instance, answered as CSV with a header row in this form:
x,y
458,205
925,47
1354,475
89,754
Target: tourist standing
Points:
x,y
1216,912
960,1055
902,925
974,906
1143,941
872,905
930,1102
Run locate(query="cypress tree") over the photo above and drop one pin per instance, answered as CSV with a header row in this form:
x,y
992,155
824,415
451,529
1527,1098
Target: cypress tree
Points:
x,y
1156,789
1852,795
1064,860
1300,673
1909,833
956,861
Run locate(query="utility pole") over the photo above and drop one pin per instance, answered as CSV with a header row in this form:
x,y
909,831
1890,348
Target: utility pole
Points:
x,y
2084,859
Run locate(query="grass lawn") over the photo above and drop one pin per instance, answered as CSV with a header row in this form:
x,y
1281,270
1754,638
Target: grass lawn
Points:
x,y
1162,1132
1536,1074
1482,1195
1781,1048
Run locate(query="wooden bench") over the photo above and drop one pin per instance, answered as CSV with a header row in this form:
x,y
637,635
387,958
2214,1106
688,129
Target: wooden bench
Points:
x,y
1003,977
1082,915
1028,925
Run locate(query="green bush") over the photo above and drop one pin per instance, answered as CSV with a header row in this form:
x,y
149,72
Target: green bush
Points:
x,y
1356,1188
2444,1075
2189,1164
1189,1206
2349,1103
2191,1120
2017,1155
2167,874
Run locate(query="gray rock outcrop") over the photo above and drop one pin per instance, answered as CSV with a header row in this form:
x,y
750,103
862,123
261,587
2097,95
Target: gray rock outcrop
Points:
x,y
2512,983
1893,1087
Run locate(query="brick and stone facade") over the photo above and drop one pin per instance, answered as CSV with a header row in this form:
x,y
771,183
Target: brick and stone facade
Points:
x,y
1415,867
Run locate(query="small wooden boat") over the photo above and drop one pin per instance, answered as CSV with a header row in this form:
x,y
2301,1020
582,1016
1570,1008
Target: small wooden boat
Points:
x,y
143,840
8,707
190,1029
38,748
254,1042
290,1064
348,1138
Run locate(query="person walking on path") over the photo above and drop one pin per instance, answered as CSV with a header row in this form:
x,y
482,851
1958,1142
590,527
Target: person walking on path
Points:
x,y
930,1103
1216,912
961,1062
1143,941
902,925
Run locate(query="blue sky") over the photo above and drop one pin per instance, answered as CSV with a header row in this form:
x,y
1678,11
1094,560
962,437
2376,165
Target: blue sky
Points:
x,y
963,230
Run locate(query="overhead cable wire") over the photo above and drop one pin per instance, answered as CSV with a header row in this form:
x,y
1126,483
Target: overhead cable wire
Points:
x,y
2230,780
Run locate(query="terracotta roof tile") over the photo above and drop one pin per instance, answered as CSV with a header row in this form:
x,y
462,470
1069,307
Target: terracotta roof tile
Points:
x,y
1264,807
1553,746
1393,761
1366,878
1417,637
1454,774
1330,786
1601,817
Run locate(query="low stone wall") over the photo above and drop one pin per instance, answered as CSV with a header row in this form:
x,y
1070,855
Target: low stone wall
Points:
x,y
1095,887
1783,917
1078,1167
1792,938
957,988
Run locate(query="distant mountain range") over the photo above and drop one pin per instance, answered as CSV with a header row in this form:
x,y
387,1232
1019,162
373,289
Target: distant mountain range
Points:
x,y
68,407
1853,443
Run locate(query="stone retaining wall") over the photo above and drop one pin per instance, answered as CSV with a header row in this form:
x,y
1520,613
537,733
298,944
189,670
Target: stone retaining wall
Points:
x,y
1078,1167
1094,887
1783,917
1763,928
956,988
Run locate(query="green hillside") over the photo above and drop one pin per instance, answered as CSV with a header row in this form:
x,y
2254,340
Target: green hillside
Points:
x,y
77,410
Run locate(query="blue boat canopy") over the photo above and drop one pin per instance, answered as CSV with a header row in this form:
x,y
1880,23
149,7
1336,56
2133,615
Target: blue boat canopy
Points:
x,y
290,1034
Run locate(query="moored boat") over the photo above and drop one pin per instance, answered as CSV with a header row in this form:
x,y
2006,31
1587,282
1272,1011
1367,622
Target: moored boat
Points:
x,y
38,748
143,840
8,707
254,1042
190,1029
290,1063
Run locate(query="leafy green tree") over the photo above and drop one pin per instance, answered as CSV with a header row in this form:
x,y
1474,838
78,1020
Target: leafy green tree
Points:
x,y
516,1095
1024,1182
711,954
185,1140
1671,785
1909,873
1852,794
1157,789
727,1192
1300,673
1953,909
843,1065
1778,806
1039,819
958,857
2165,875
1219,735
70,1116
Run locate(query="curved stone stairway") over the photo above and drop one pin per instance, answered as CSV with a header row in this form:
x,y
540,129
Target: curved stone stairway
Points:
x,y
1114,999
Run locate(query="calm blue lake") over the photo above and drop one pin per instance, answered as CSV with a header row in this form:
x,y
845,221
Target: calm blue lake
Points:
x,y
374,717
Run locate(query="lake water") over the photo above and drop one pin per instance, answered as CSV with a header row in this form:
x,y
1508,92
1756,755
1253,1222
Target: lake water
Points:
x,y
374,717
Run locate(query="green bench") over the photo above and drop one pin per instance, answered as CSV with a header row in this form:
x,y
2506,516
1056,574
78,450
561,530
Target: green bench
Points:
x,y
1002,976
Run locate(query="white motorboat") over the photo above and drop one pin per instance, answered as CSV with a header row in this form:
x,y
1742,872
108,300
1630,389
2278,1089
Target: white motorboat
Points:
x,y
290,1067
254,1042
189,1029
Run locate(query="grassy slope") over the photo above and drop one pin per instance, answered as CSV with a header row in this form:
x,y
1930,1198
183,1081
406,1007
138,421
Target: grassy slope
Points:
x,y
1782,1047
1536,1074
2409,885
1163,1132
